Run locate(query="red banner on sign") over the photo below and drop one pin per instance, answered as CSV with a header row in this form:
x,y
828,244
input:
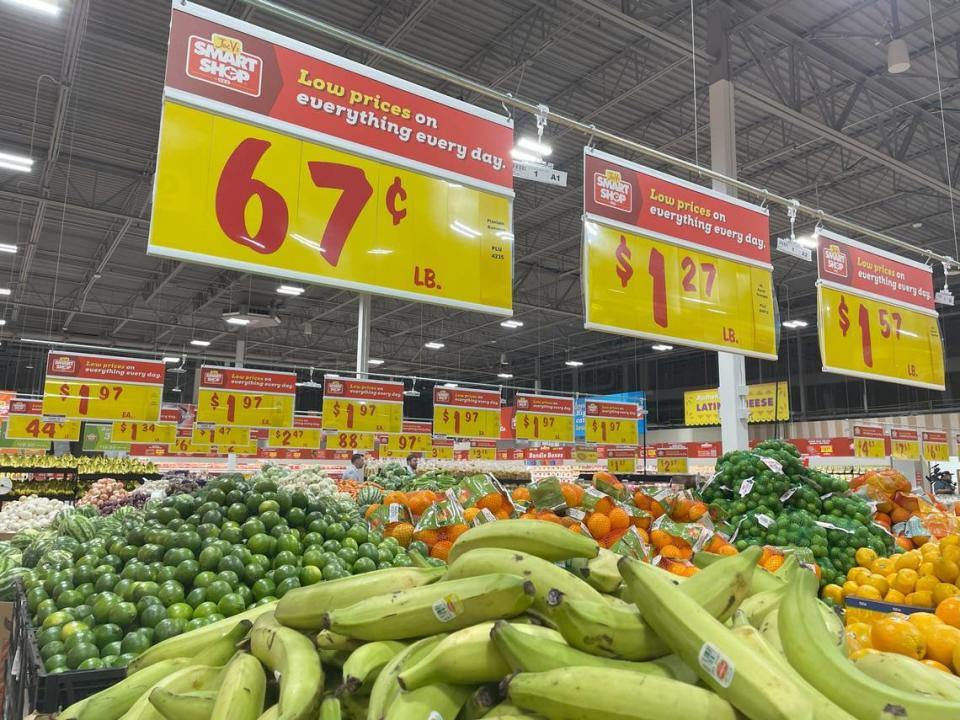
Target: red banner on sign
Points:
x,y
673,209
455,397
704,449
215,59
908,435
846,262
372,390
620,411
933,436
312,422
544,404
251,381
672,451
104,368
548,453
21,406
619,452
511,454
869,431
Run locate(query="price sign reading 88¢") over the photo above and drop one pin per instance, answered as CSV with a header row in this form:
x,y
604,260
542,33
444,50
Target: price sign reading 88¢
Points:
x,y
351,441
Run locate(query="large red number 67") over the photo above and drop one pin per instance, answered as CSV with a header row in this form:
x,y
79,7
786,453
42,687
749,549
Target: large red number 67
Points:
x,y
235,189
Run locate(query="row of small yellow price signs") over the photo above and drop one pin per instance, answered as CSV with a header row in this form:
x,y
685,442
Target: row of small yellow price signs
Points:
x,y
903,443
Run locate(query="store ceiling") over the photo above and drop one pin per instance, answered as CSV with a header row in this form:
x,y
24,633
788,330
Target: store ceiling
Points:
x,y
819,118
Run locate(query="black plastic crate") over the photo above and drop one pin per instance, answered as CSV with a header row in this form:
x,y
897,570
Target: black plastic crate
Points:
x,y
29,688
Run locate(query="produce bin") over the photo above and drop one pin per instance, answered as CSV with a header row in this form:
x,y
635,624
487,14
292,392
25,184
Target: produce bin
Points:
x,y
29,688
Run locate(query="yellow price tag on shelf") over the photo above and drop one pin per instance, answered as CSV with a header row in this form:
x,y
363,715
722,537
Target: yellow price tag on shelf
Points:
x,y
403,444
936,446
325,216
351,441
222,435
305,438
869,441
622,465
867,338
640,286
440,452
482,453
905,444
128,431
185,446
34,427
672,465
249,448
585,455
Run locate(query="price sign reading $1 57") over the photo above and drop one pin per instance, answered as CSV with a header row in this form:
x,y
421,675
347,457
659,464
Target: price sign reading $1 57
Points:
x,y
466,413
245,398
611,423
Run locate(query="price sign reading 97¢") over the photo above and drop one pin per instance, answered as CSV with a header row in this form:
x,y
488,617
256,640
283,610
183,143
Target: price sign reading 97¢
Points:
x,y
325,216
641,286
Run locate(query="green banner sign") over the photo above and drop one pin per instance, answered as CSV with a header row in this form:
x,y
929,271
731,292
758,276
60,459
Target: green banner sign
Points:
x,y
99,438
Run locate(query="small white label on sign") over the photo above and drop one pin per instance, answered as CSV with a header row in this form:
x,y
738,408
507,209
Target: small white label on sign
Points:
x,y
788,246
746,486
944,297
772,464
446,608
789,493
576,514
393,512
720,668
538,172
765,520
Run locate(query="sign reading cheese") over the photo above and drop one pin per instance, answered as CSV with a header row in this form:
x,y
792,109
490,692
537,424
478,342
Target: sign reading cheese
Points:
x,y
766,402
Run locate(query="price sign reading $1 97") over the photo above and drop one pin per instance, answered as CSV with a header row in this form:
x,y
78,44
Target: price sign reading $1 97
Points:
x,y
611,423
362,406
539,417
245,398
466,413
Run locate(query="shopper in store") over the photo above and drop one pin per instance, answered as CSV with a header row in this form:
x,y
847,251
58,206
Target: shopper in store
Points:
x,y
413,459
355,470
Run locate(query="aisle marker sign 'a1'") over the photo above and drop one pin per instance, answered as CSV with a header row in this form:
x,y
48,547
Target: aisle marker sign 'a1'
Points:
x,y
26,422
670,260
905,443
416,438
305,434
466,413
276,157
99,387
361,406
612,423
544,418
162,432
245,398
869,441
877,318
936,446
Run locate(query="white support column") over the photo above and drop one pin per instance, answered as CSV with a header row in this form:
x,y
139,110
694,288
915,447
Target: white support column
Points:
x,y
238,357
363,335
723,158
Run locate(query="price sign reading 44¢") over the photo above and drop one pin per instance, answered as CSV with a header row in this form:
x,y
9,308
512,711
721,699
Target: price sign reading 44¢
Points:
x,y
466,413
362,406
305,434
100,387
549,419
246,398
611,423
876,312
26,422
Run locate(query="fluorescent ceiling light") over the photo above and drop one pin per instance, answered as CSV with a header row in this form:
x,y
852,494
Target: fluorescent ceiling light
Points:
x,y
574,363
374,361
20,163
4,291
3,322
523,155
662,348
916,225
809,241
504,376
174,389
534,146
238,321
898,56
7,248
44,6
511,324
200,343
795,324
290,290
434,345
170,359
450,385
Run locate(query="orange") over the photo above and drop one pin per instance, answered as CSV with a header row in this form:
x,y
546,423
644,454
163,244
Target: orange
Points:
x,y
857,654
882,566
850,588
528,516
943,591
894,596
891,634
521,493
832,592
774,563
941,641
470,513
604,505
441,549
935,665
671,551
922,598
370,510
455,531
619,519
727,549
905,580
949,611
865,557
924,620
697,511
946,570
659,538
430,537
641,500
656,509
926,582
879,582
491,501
403,532
868,592
598,525
858,636
569,494
910,560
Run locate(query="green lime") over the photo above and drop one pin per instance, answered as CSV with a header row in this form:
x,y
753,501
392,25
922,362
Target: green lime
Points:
x,y
364,564
310,575
357,532
149,617
52,648
60,617
48,635
263,588
268,506
262,544
331,545
335,531
229,577
210,557
204,578
284,572
196,596
146,588
290,543
169,628
165,574
270,519
252,572
349,542
134,642
285,557
93,663
231,533
81,652
204,609
186,571
194,624
369,550
287,585
384,554
105,634
348,555
281,529
147,601
231,563
180,611
170,592
55,663
313,558
402,560
237,512
332,571
231,604
217,589
110,649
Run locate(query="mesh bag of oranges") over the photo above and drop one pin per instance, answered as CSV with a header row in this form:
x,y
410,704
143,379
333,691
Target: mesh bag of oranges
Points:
x,y
632,544
441,524
393,520
678,541
485,492
546,494
684,507
608,484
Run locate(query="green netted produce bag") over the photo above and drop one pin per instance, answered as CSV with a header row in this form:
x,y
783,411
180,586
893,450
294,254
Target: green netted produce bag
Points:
x,y
545,494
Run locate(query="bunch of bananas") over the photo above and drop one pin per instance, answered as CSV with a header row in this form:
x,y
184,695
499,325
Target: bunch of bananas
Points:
x,y
505,632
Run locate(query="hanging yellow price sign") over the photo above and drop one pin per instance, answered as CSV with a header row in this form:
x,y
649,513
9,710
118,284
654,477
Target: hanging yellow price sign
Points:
x,y
305,434
362,406
100,387
441,449
351,441
223,435
543,418
904,444
611,423
246,398
26,422
415,439
482,450
128,431
626,465
869,441
672,460
466,413
936,446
